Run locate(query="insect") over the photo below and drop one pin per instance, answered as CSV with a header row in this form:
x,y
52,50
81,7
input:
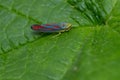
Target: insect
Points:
x,y
51,28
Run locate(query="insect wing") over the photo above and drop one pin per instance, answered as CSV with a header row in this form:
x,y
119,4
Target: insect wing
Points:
x,y
50,28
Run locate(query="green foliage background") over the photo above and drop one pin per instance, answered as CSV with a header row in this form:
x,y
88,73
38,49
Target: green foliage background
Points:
x,y
89,51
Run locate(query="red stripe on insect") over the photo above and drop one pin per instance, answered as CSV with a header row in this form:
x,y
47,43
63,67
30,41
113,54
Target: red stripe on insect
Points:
x,y
48,29
37,27
56,27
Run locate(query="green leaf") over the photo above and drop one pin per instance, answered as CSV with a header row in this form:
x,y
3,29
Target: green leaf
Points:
x,y
89,51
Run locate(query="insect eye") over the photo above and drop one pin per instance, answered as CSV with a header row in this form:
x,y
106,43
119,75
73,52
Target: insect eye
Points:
x,y
63,25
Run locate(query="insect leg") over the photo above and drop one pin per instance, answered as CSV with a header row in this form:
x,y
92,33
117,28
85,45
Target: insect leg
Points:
x,y
56,35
